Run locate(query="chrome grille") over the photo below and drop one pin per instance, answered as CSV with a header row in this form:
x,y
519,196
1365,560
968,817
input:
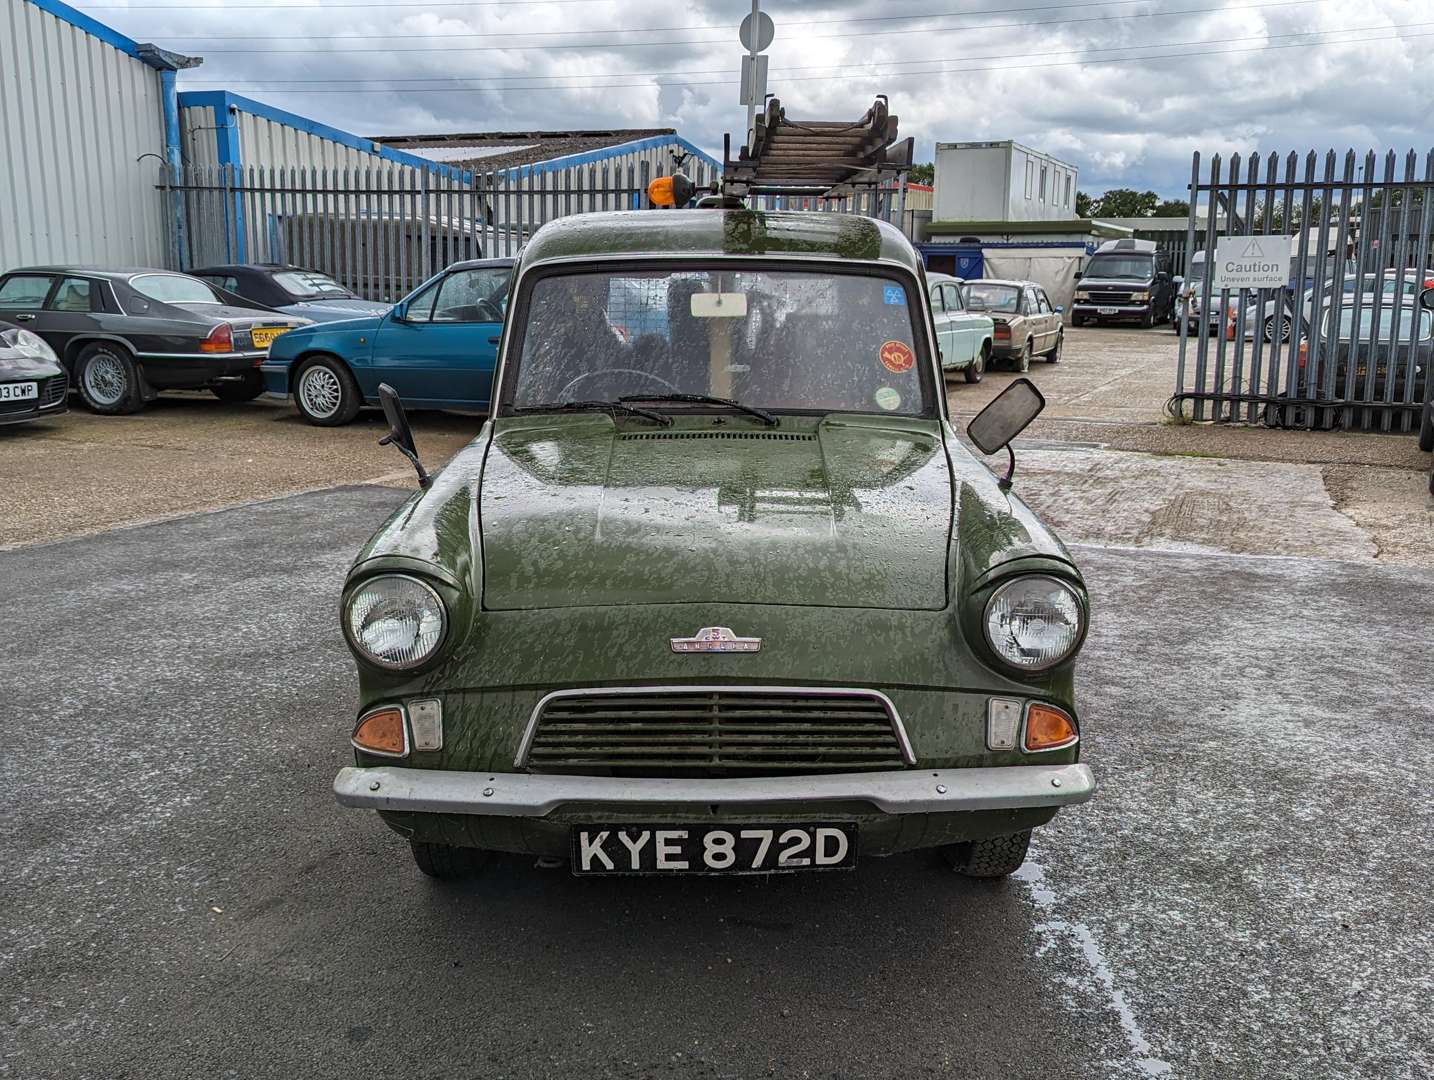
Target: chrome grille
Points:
x,y
1110,297
713,731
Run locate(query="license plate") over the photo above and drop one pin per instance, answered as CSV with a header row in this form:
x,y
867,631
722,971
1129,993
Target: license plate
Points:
x,y
1107,311
712,849
19,391
263,337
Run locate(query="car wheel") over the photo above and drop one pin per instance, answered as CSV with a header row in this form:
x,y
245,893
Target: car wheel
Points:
x,y
1285,329
1426,429
976,370
1076,320
248,390
1054,356
1023,362
446,862
108,380
325,392
1148,319
993,857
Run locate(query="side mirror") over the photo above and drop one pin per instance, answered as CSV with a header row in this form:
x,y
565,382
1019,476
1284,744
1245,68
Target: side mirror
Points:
x,y
1060,311
1427,298
995,426
1079,274
399,312
400,435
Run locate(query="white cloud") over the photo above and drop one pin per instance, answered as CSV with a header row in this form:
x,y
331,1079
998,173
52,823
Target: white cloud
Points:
x,y
1124,123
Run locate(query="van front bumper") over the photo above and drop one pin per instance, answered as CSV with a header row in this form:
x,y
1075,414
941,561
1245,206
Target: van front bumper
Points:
x,y
910,791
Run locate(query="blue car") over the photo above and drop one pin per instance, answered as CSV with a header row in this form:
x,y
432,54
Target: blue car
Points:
x,y
293,290
437,347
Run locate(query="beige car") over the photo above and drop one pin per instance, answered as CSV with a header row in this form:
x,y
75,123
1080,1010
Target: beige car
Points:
x,y
1027,324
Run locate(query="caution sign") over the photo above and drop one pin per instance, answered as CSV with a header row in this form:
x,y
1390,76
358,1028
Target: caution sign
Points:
x,y
1252,262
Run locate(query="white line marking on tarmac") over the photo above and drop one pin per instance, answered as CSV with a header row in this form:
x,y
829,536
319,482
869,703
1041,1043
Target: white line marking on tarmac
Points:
x,y
1033,875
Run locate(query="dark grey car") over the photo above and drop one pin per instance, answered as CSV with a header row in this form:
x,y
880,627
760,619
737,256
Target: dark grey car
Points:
x,y
32,382
125,335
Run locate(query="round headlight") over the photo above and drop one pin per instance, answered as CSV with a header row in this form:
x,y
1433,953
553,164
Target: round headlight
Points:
x,y
395,621
1034,622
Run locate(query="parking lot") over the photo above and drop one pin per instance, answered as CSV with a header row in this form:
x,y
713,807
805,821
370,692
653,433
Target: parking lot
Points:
x,y
1244,897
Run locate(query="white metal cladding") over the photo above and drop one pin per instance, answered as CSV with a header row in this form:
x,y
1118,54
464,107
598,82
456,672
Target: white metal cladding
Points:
x,y
75,114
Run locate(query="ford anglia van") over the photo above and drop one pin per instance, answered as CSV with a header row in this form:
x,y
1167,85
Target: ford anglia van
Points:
x,y
717,588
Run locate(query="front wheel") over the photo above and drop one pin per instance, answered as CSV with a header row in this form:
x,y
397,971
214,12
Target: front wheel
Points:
x,y
1054,356
325,392
108,380
1284,329
993,857
446,862
1426,429
248,389
1148,319
1023,362
976,370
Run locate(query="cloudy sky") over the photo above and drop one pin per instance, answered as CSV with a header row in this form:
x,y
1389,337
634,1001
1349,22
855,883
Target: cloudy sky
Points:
x,y
1125,89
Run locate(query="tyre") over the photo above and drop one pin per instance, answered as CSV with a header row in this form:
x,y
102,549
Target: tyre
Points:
x,y
325,392
1077,320
1023,362
1426,429
1148,319
108,380
445,862
248,390
994,857
1054,356
976,370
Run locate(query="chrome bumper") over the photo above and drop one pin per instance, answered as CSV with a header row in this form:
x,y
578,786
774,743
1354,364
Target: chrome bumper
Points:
x,y
914,791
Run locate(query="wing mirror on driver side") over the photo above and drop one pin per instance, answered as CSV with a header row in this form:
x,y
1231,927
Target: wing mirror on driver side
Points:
x,y
1427,298
400,434
997,425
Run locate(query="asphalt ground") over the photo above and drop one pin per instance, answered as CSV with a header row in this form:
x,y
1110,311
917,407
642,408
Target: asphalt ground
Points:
x,y
1246,897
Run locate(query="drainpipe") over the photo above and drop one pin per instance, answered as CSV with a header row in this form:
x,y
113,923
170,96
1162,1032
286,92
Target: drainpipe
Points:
x,y
168,64
173,155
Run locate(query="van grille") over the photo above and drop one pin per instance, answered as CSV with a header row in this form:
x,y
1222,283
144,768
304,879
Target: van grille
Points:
x,y
714,731
777,436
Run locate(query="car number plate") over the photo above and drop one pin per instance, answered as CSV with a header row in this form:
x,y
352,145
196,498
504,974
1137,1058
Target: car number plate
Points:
x,y
712,849
19,391
1107,311
263,337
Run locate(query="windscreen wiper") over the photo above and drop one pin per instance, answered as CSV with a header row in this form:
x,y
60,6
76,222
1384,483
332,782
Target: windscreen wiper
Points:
x,y
705,399
612,407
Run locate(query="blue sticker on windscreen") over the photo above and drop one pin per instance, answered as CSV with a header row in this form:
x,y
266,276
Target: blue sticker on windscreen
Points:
x,y
894,295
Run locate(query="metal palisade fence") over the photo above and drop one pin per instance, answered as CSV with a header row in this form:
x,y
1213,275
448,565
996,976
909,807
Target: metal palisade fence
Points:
x,y
383,231
1344,342
380,231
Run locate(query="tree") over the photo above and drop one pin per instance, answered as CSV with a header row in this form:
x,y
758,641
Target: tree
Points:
x,y
1125,202
924,173
1085,205
1173,208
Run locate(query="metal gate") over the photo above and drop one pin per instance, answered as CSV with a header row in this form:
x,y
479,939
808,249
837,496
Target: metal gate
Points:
x,y
1345,344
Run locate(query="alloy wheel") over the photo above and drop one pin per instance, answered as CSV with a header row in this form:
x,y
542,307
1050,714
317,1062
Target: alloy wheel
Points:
x,y
320,391
105,379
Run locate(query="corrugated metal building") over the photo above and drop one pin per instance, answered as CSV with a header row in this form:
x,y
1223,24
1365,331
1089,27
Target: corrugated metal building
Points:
x,y
88,118
288,214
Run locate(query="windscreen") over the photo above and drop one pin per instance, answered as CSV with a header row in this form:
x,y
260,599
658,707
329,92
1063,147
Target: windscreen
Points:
x,y
1120,267
309,283
779,340
982,296
173,289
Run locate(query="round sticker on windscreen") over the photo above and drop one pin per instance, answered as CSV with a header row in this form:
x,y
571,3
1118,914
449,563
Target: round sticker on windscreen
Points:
x,y
897,357
888,399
